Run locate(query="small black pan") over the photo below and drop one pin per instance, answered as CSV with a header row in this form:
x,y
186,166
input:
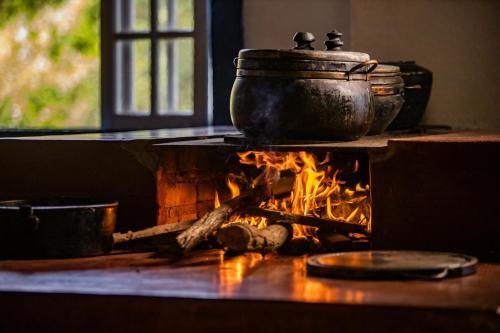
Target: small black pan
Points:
x,y
56,228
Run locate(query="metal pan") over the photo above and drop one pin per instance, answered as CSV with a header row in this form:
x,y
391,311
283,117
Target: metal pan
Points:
x,y
56,228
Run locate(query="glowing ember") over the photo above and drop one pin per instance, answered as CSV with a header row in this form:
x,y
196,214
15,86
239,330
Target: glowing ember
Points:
x,y
317,189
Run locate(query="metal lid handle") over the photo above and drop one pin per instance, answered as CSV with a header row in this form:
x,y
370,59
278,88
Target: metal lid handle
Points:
x,y
28,217
373,63
334,43
303,41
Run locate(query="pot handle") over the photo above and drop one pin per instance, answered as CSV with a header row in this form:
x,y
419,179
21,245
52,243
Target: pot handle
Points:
x,y
373,63
235,62
28,217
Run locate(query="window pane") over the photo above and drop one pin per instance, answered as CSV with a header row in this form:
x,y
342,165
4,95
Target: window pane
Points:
x,y
132,15
49,64
176,77
175,14
133,77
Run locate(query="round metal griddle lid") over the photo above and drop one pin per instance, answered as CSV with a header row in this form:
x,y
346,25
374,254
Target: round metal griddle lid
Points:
x,y
391,265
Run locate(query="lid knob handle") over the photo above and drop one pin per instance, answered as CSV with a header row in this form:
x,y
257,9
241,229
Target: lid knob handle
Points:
x,y
303,41
334,43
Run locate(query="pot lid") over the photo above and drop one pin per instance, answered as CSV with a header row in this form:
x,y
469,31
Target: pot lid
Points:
x,y
391,264
343,56
386,70
304,50
386,75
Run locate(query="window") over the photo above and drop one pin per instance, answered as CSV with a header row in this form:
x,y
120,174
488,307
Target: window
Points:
x,y
147,71
155,67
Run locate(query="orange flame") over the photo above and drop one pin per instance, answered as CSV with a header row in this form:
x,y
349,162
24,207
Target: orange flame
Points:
x,y
233,186
216,200
317,190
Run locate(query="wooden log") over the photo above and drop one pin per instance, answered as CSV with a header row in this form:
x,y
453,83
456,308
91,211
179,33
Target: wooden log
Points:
x,y
361,244
153,232
333,241
299,246
213,220
241,237
282,187
340,226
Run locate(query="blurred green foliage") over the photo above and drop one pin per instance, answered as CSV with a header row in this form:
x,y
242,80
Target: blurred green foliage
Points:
x,y
85,39
13,8
63,38
67,94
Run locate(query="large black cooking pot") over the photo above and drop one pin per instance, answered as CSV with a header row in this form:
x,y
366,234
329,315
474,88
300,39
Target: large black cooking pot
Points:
x,y
303,93
56,228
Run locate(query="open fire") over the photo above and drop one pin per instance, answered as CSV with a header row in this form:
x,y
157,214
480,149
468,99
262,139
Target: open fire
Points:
x,y
319,199
307,186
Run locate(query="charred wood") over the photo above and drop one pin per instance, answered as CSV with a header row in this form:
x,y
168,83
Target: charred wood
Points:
x,y
334,241
240,237
299,246
207,224
340,226
361,244
213,220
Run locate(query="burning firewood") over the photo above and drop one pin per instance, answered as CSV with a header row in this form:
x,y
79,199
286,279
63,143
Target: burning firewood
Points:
x,y
207,224
299,246
323,224
333,241
213,220
240,237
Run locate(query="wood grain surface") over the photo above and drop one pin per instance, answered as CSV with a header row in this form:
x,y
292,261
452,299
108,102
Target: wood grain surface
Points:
x,y
234,291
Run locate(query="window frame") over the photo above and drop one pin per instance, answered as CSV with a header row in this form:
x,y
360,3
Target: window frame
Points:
x,y
202,113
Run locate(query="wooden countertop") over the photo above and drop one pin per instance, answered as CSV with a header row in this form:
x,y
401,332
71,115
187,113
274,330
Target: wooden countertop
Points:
x,y
263,283
158,135
367,144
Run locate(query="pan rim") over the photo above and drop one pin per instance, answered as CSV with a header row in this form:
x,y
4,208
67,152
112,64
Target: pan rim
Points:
x,y
66,203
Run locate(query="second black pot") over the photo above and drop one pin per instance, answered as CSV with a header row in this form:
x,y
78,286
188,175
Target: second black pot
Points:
x,y
388,91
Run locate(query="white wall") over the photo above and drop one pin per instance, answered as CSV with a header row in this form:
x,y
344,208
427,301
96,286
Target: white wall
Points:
x,y
459,40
